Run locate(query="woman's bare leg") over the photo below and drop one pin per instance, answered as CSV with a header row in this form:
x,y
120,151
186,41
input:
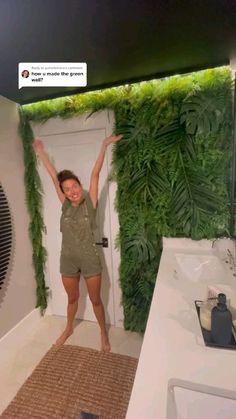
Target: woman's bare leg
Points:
x,y
94,290
71,285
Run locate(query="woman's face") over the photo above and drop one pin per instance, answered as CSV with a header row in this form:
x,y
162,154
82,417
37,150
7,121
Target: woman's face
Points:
x,y
72,190
25,74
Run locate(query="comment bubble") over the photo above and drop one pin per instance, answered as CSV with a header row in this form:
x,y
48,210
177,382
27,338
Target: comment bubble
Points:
x,y
52,74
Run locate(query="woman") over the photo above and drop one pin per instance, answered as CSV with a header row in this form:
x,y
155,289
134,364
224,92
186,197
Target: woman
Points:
x,y
79,253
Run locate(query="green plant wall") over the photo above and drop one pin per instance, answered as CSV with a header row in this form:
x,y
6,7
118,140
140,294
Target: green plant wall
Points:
x,y
172,168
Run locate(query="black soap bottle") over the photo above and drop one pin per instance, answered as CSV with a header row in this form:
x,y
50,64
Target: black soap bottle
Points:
x,y
221,322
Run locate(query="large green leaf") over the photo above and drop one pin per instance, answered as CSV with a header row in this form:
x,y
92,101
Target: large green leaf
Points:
x,y
192,198
174,137
139,248
148,181
201,113
142,246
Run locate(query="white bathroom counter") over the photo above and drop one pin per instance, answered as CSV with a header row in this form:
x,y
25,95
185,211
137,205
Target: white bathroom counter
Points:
x,y
173,346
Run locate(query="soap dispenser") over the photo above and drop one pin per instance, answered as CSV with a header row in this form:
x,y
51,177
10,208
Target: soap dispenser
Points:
x,y
221,322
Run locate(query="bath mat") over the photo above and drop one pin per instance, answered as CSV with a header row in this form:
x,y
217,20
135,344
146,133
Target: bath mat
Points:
x,y
72,379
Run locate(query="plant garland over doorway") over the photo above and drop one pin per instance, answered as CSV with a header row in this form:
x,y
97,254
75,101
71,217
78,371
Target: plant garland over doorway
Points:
x,y
172,171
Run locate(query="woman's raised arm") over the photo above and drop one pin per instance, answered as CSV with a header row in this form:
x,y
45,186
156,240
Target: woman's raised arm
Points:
x,y
41,153
93,189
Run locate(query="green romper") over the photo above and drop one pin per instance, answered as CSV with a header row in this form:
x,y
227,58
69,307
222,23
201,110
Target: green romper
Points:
x,y
79,253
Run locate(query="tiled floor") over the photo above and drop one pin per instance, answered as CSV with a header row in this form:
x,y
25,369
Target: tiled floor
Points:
x,y
15,371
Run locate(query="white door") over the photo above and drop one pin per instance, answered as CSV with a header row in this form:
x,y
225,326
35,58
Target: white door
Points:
x,y
74,144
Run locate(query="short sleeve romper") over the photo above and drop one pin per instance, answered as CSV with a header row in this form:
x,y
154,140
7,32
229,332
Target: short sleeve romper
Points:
x,y
78,252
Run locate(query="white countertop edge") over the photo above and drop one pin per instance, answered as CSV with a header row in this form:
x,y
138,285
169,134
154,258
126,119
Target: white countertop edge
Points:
x,y
159,364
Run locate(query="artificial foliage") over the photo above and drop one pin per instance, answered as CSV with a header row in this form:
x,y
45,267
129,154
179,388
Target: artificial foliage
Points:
x,y
34,204
172,168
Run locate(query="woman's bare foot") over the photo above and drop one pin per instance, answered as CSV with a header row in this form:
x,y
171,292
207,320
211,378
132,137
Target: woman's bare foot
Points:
x,y
64,337
105,344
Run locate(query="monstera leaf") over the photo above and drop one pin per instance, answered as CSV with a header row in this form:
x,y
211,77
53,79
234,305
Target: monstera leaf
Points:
x,y
201,114
142,246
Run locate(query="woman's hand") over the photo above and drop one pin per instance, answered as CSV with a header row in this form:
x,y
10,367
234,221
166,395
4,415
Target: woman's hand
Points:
x,y
38,146
112,139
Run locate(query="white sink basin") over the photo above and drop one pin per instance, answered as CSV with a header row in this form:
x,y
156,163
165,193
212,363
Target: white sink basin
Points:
x,y
188,400
196,267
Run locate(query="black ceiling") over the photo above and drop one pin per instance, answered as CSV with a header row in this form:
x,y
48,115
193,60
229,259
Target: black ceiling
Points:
x,y
121,41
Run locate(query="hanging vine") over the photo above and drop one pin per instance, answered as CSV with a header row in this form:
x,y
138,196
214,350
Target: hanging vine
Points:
x,y
34,204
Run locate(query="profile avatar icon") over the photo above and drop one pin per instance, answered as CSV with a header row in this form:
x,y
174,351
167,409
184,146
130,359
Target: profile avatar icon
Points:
x,y
25,74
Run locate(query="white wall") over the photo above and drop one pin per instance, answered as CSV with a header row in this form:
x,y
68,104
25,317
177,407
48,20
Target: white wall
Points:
x,y
233,63
19,297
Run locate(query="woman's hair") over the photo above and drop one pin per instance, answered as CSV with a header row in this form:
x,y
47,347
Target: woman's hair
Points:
x,y
65,175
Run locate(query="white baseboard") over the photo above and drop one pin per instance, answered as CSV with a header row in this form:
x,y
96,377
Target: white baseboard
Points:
x,y
15,338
